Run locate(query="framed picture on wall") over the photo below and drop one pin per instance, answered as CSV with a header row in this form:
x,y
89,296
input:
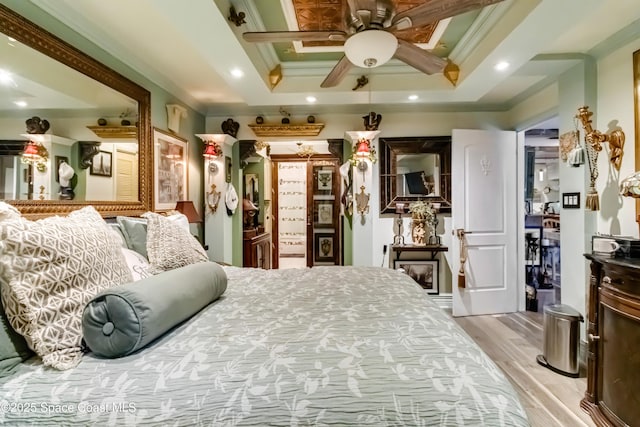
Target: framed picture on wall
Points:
x,y
323,247
101,164
323,212
170,164
324,180
532,245
228,165
252,188
425,273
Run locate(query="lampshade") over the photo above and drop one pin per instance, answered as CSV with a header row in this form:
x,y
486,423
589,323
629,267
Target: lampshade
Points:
x,y
186,208
211,151
363,149
31,151
370,48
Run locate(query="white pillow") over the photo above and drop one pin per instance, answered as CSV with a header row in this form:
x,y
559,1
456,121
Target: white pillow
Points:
x,y
179,219
169,245
138,265
49,270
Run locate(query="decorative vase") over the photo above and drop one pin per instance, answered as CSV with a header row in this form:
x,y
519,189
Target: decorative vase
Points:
x,y
125,122
285,120
259,120
419,231
102,121
311,119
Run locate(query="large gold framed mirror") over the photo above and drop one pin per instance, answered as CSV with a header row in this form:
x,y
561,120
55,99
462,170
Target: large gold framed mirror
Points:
x,y
46,77
415,168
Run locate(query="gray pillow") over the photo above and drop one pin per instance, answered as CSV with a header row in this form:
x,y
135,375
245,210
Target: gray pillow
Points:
x,y
118,230
124,319
134,231
13,347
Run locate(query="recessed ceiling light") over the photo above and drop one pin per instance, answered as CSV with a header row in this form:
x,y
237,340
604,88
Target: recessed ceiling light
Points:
x,y
501,66
21,104
237,73
311,99
413,97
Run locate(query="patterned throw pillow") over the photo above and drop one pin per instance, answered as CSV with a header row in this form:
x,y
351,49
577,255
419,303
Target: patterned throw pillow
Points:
x,y
169,245
138,265
49,270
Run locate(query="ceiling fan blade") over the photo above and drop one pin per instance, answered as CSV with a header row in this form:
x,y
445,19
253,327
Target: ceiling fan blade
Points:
x,y
290,36
435,10
418,58
337,74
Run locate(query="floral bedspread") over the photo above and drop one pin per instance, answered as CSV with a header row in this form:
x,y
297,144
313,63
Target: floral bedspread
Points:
x,y
335,346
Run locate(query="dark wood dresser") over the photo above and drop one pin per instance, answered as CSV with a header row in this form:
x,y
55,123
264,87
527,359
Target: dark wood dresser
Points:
x,y
613,336
256,249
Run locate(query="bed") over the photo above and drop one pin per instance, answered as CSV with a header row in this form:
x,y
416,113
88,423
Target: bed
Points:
x,y
321,346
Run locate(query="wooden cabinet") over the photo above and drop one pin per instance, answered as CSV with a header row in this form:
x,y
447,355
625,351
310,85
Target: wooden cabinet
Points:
x,y
256,250
613,335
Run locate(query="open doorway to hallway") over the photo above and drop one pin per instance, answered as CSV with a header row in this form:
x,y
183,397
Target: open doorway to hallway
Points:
x,y
307,226
542,215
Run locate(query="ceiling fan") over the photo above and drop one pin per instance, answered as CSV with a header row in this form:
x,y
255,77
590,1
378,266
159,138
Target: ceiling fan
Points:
x,y
370,39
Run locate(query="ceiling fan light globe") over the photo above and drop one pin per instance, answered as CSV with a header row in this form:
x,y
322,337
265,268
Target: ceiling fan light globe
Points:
x,y
371,48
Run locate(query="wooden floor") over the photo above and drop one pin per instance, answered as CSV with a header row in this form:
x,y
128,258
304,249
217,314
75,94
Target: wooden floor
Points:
x,y
513,341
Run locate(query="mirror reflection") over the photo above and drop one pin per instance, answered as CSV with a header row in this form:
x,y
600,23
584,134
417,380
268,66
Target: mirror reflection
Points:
x,y
415,168
52,162
418,174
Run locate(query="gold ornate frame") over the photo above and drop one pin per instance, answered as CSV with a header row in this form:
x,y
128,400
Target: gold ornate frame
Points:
x,y
636,107
28,33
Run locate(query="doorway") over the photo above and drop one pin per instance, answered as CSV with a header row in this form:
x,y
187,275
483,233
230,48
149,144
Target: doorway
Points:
x,y
542,216
307,227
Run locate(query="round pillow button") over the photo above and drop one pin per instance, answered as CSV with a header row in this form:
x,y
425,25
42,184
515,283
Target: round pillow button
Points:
x,y
108,328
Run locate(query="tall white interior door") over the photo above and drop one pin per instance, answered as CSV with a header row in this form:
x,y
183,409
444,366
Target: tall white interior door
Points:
x,y
484,206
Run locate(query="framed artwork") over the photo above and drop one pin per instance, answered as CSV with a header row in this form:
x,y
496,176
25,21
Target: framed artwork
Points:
x,y
58,160
424,273
170,164
227,168
636,108
571,200
323,212
251,188
324,181
532,245
323,247
101,164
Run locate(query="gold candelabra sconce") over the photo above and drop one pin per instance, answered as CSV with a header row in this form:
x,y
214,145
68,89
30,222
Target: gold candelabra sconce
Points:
x,y
595,138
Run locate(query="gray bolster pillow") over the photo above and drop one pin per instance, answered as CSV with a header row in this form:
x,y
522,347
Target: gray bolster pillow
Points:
x,y
123,319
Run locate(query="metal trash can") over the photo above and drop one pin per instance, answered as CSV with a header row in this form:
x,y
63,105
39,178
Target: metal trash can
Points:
x,y
561,339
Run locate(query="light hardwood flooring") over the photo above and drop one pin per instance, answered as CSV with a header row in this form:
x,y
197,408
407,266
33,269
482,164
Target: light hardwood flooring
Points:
x,y
513,341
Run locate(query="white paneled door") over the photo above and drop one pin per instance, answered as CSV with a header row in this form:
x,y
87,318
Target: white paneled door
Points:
x,y
484,206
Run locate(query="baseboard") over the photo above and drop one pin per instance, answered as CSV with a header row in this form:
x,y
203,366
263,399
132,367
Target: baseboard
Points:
x,y
443,300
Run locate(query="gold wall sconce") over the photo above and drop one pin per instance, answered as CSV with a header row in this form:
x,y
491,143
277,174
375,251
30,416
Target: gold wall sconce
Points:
x,y
362,203
596,138
213,198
